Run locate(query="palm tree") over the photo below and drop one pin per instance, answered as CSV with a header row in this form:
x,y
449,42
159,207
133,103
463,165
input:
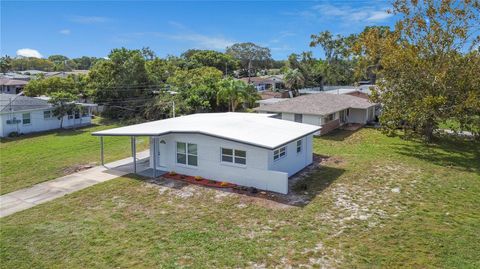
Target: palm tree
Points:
x,y
233,92
294,79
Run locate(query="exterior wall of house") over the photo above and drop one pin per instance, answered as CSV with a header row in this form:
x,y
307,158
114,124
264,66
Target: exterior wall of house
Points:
x,y
288,116
259,171
330,126
37,122
292,162
357,116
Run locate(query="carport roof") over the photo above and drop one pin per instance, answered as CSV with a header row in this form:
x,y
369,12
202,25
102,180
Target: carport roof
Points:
x,y
250,128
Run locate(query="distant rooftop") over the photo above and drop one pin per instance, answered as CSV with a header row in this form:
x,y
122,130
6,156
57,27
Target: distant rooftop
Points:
x,y
317,104
12,102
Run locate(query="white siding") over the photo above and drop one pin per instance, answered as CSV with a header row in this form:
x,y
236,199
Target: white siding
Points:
x,y
255,173
293,161
311,119
37,122
288,116
260,171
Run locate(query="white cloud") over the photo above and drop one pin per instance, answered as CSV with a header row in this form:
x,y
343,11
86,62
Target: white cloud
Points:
x,y
199,41
29,53
204,41
379,16
346,14
65,31
89,19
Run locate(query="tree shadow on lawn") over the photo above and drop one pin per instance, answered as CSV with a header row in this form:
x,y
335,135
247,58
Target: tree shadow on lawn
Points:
x,y
338,134
447,151
57,132
301,193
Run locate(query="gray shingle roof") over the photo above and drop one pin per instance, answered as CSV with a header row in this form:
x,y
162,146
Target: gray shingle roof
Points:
x,y
12,102
317,104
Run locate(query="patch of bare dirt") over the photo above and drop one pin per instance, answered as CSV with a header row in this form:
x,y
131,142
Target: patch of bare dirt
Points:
x,y
77,168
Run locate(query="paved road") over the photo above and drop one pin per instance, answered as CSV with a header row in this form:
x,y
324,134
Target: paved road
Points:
x,y
43,192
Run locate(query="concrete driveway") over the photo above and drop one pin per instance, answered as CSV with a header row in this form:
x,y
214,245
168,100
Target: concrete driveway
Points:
x,y
43,192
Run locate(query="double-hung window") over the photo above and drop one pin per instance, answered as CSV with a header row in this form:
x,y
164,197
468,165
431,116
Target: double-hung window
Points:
x,y
47,114
298,118
234,156
187,154
279,153
299,146
26,118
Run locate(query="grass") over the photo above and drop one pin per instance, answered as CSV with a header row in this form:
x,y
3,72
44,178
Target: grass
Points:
x,y
35,158
376,202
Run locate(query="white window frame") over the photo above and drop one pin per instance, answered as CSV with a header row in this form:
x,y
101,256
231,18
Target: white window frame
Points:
x,y
299,146
278,152
187,154
29,118
233,156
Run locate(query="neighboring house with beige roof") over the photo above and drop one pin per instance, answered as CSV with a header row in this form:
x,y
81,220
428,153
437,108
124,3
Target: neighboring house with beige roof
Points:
x,y
11,86
329,111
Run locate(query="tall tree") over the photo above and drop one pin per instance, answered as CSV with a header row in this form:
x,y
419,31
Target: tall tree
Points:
x,y
233,92
223,62
294,79
251,56
338,69
5,64
429,67
121,83
63,104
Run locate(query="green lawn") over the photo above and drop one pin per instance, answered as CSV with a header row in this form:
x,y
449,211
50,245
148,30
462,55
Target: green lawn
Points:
x,y
35,158
377,202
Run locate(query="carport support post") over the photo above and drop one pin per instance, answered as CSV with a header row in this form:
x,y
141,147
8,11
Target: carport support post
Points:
x,y
101,150
154,157
134,153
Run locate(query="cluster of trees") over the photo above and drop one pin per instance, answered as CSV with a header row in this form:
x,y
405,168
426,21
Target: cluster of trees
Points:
x,y
137,83
427,67
52,63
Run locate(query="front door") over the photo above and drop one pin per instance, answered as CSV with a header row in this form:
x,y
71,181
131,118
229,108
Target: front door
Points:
x,y
162,152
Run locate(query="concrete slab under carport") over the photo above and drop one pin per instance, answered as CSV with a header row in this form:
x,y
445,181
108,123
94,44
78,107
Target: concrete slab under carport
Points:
x,y
43,192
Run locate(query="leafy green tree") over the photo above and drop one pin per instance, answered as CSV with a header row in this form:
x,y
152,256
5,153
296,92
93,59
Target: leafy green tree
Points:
x,y
161,106
50,85
233,92
294,79
429,68
198,87
223,62
339,67
121,83
368,64
63,104
85,62
251,56
31,63
5,64
159,70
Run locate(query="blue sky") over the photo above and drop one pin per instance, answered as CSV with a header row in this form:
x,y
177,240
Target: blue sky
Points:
x,y
77,28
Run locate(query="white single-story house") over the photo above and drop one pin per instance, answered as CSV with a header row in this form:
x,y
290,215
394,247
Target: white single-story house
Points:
x,y
329,111
11,86
247,149
22,114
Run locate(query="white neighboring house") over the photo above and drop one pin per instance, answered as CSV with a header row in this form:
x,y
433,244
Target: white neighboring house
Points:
x,y
329,111
247,149
11,86
24,115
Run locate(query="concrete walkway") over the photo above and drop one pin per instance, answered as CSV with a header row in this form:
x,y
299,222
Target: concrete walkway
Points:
x,y
43,192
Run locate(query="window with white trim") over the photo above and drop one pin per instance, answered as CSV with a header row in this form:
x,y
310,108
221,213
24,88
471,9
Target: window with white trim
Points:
x,y
299,146
187,154
47,114
235,156
298,118
279,153
26,118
